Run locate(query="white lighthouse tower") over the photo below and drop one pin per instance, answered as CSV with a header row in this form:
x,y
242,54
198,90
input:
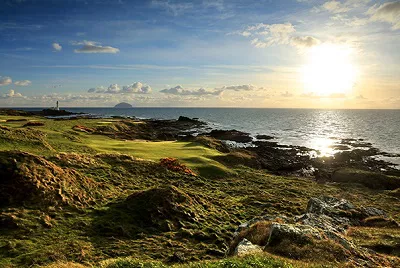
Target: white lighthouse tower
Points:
x,y
57,107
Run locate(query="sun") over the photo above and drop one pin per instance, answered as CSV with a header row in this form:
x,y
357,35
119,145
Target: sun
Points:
x,y
329,70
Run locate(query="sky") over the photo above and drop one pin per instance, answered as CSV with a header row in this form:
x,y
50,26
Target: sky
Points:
x,y
203,53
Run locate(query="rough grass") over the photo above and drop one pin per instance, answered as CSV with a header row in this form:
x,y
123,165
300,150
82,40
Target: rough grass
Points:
x,y
108,228
383,240
257,261
58,136
369,179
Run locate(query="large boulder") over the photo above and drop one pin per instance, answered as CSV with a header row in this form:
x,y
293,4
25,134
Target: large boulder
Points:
x,y
319,233
295,232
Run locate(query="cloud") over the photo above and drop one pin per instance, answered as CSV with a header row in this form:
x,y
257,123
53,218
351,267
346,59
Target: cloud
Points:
x,y
23,83
173,8
352,22
138,88
11,94
135,88
100,89
113,89
304,41
56,47
335,7
388,12
5,81
94,47
240,88
287,94
266,35
179,90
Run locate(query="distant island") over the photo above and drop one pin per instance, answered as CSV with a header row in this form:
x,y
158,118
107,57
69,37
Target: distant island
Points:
x,y
123,105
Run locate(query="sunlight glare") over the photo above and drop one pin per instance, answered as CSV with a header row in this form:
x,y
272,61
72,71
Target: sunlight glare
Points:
x,y
329,70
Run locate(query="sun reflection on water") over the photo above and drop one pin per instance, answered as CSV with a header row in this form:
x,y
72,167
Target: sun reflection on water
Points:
x,y
323,145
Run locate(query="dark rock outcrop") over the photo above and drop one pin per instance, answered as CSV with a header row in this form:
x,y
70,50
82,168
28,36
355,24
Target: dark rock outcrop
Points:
x,y
265,137
231,135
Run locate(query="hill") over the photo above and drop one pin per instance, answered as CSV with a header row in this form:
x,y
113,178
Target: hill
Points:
x,y
123,105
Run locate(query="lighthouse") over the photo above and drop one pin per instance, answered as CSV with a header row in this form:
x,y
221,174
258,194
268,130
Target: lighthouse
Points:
x,y
57,107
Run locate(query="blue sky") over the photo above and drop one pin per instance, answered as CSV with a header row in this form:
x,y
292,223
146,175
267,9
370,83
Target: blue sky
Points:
x,y
196,53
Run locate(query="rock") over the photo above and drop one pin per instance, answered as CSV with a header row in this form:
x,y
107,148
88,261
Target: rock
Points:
x,y
123,105
341,147
52,112
327,205
322,230
296,233
231,135
265,137
245,247
187,119
324,222
337,213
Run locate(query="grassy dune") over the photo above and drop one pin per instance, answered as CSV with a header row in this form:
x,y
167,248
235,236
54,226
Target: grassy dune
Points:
x,y
61,138
109,202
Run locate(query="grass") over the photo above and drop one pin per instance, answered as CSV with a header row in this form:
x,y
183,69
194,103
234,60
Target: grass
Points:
x,y
61,138
108,232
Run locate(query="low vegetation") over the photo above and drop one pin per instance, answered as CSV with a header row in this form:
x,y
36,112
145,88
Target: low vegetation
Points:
x,y
79,197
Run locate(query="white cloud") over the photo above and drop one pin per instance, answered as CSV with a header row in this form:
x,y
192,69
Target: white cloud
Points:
x,y
388,12
276,34
56,47
135,88
113,89
23,83
94,47
350,21
5,81
335,7
179,90
138,88
11,94
304,41
240,88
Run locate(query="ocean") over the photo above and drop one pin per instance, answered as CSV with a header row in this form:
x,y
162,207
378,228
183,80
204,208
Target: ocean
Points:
x,y
313,128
